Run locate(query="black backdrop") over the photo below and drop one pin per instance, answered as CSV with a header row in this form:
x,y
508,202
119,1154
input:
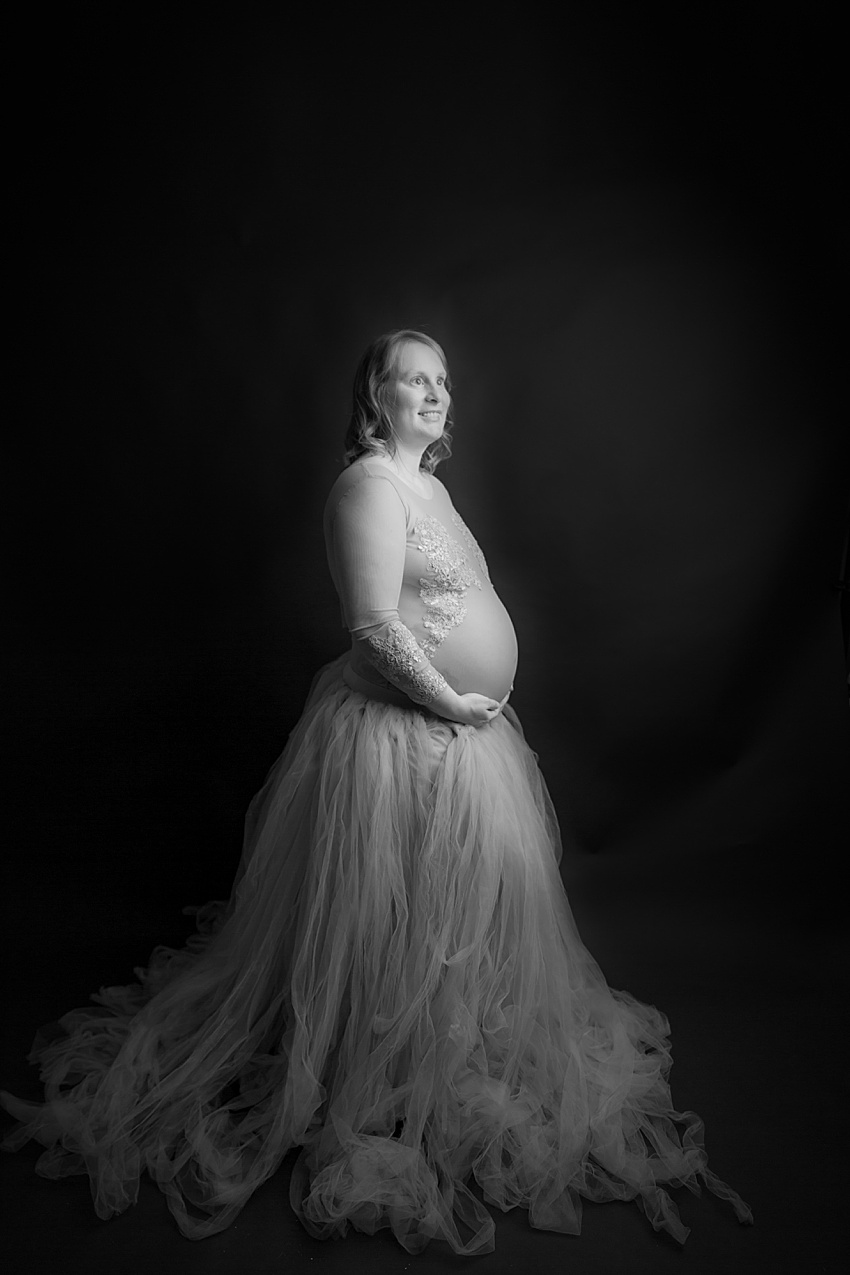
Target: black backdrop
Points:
x,y
623,228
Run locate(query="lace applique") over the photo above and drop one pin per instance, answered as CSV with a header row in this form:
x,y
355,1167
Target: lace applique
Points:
x,y
397,654
471,543
453,575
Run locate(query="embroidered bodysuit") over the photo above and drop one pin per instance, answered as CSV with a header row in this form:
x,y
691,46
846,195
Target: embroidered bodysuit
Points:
x,y
414,588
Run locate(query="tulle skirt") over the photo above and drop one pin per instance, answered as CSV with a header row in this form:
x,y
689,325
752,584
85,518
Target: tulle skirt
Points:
x,y
396,987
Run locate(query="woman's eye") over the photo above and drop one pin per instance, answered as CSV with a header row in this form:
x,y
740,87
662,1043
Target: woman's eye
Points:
x,y
417,380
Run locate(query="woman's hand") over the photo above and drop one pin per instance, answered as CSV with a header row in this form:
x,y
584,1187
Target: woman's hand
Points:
x,y
470,709
475,710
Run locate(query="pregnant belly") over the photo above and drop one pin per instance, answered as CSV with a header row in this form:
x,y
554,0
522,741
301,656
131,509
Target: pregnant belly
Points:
x,y
481,653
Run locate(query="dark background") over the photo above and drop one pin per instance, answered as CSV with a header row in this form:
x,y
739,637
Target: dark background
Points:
x,y
623,226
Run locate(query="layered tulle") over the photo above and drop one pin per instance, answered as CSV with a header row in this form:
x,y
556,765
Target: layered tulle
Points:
x,y
397,987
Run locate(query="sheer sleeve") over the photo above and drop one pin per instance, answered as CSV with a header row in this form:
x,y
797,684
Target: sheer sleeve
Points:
x,y
368,541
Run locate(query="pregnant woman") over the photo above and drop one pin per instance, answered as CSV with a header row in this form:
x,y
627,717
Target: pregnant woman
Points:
x,y
397,985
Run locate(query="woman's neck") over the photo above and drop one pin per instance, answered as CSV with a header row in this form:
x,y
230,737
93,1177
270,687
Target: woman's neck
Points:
x,y
408,461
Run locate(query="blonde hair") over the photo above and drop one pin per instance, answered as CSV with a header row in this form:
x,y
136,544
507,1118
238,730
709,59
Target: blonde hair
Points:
x,y
370,430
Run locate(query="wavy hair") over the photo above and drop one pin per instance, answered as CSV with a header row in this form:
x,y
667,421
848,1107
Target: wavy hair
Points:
x,y
370,430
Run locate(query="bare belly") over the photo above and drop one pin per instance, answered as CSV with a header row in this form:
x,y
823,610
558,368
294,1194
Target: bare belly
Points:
x,y
481,653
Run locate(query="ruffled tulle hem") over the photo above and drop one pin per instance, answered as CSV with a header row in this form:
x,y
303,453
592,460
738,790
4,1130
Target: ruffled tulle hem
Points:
x,y
397,988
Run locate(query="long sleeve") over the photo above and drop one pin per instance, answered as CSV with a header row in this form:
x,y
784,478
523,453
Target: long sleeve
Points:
x,y
368,546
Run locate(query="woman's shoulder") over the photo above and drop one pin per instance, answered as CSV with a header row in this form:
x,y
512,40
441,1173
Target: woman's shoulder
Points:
x,y
365,481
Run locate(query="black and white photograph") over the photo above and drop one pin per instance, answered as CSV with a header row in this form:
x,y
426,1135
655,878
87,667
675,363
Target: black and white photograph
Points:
x,y
427,716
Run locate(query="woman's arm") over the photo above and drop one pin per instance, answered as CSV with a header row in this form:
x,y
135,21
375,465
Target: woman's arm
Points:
x,y
368,542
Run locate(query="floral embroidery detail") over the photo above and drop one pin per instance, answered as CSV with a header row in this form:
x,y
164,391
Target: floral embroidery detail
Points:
x,y
453,575
397,654
472,543
447,611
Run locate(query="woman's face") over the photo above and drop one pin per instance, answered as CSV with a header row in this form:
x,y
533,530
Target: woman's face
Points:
x,y
416,396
